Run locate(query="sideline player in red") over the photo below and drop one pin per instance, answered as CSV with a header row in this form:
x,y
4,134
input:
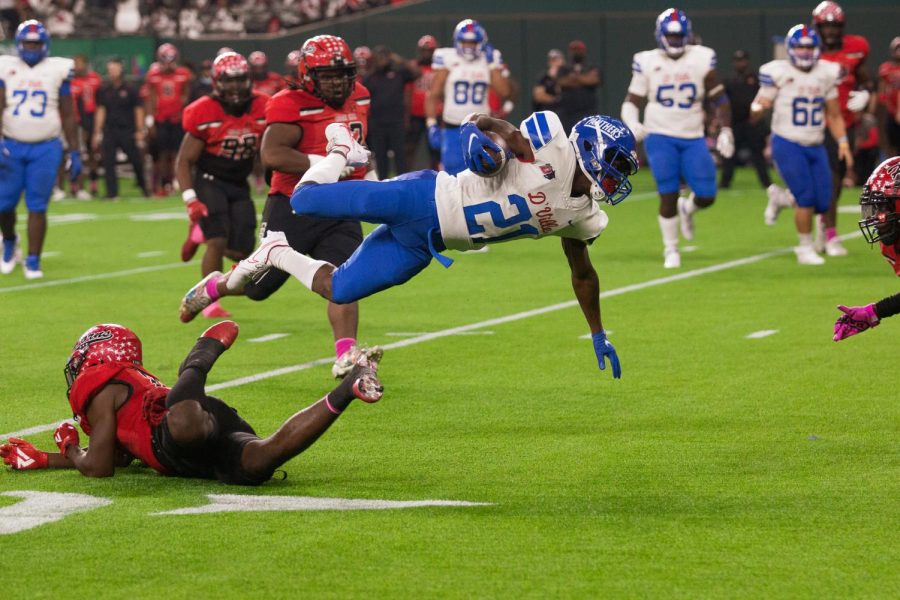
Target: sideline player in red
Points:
x,y
264,81
85,84
880,203
889,96
128,413
220,144
169,90
294,140
849,51
418,91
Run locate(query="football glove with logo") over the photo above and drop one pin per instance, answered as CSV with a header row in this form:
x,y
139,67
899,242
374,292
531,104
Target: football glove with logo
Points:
x,y
475,143
22,455
66,436
855,319
604,349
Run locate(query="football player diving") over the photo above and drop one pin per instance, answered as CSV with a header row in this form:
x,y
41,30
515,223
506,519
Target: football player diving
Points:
x,y
129,414
553,188
880,204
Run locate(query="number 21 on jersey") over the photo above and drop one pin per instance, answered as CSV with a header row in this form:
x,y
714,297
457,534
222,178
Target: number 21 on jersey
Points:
x,y
502,227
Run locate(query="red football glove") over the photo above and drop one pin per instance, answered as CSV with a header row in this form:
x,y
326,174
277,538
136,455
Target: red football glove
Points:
x,y
22,456
65,436
196,210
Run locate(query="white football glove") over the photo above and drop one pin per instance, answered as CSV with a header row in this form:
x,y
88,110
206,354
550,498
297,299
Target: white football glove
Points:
x,y
858,100
631,116
341,139
725,142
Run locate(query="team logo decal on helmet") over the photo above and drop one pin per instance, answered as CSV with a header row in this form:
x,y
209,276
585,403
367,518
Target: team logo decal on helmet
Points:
x,y
32,31
231,78
167,54
103,344
605,150
673,31
327,69
469,30
880,204
803,46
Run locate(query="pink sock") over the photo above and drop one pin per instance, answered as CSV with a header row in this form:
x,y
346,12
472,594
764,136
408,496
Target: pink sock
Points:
x,y
211,288
830,233
197,234
342,345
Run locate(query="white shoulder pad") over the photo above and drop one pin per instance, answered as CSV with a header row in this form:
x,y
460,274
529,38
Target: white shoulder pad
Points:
x,y
542,127
441,58
65,67
769,73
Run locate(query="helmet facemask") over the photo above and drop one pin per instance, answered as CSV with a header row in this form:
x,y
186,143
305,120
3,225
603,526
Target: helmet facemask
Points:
x,y
880,218
334,85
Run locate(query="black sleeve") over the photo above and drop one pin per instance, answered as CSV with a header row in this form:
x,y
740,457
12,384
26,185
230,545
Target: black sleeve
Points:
x,y
888,306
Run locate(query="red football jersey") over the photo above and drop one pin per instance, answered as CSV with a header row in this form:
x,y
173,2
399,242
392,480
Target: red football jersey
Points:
x,y
232,141
419,90
312,115
169,88
271,85
84,92
892,254
135,420
850,55
889,73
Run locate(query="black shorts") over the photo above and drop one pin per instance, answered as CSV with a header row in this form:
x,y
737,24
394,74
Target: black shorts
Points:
x,y
168,136
333,240
232,214
87,127
219,457
839,167
892,131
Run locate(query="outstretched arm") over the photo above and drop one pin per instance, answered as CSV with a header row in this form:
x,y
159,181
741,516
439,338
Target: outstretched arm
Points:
x,y
100,457
587,291
857,319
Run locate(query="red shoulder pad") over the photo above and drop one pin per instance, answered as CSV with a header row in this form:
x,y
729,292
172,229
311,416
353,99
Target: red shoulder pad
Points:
x,y
892,255
199,114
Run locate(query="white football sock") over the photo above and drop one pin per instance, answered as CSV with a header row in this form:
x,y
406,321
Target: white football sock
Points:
x,y
327,170
689,207
669,229
805,239
299,265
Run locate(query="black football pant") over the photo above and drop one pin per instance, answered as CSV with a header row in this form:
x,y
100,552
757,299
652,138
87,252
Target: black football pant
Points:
x,y
752,137
114,139
382,138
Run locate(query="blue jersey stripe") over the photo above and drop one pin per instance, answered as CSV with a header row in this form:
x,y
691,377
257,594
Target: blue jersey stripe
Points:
x,y
635,67
543,127
531,128
65,88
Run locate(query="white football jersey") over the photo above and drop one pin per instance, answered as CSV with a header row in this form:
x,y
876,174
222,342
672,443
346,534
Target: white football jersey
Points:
x,y
32,97
524,200
466,88
674,89
798,110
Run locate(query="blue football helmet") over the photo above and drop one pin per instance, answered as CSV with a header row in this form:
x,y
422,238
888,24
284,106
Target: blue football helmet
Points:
x,y
803,46
469,30
32,31
604,147
673,22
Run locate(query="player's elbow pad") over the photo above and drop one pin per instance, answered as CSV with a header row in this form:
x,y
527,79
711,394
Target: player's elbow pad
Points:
x,y
631,115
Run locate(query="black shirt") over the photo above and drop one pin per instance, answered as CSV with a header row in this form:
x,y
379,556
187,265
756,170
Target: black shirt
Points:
x,y
741,90
387,90
577,102
119,103
549,84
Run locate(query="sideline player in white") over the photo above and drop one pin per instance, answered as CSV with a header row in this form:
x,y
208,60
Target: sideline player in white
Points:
x,y
35,106
462,76
552,189
802,91
672,81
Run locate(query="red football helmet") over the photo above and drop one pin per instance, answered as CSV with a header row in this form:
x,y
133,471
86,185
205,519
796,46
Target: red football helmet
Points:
x,y
223,50
428,42
828,12
327,69
167,54
231,78
258,58
293,58
102,344
880,204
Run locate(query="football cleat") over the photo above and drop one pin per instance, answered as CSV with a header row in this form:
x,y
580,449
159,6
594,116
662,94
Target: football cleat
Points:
x,y
671,259
366,385
223,331
32,266
83,195
196,298
806,255
686,219
834,247
12,254
58,194
192,242
215,311
258,262
778,199
356,355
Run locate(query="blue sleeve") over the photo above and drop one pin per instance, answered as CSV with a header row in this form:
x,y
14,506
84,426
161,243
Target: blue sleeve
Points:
x,y
2,84
65,89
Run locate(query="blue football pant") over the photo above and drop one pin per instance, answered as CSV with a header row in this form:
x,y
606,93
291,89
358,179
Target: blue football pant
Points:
x,y
32,168
395,251
673,159
806,172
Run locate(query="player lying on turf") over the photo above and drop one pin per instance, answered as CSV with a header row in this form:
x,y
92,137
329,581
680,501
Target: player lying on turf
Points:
x,y
880,202
552,189
128,413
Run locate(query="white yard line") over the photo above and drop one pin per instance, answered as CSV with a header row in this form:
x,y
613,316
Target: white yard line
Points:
x,y
416,333
761,334
94,277
150,253
268,338
425,337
